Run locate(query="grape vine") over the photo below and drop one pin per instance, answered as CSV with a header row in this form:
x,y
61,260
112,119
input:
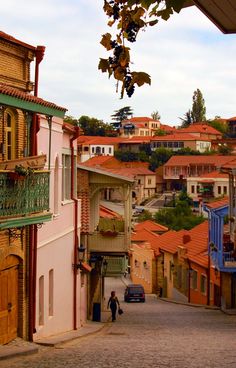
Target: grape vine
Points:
x,y
131,16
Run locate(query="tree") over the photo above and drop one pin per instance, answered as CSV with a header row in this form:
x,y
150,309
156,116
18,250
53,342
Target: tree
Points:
x,y
155,115
129,17
94,127
71,120
224,149
187,120
179,217
198,112
159,157
217,124
120,115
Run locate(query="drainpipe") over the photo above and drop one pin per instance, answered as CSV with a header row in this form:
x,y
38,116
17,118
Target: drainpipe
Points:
x,y
189,281
33,231
74,198
208,279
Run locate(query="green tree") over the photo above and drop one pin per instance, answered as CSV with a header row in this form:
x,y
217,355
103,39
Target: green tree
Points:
x,y
94,127
179,217
145,215
160,132
215,123
71,120
155,115
198,113
187,119
224,149
120,115
159,157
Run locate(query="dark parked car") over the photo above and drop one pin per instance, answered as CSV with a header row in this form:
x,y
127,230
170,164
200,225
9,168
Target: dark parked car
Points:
x,y
134,292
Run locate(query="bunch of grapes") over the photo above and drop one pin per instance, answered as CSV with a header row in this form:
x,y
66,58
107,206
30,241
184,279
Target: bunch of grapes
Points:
x,y
132,30
117,51
128,87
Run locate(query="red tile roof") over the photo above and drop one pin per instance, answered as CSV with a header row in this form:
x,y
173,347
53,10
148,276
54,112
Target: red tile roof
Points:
x,y
199,128
97,161
197,247
147,236
218,203
105,212
139,119
85,139
178,137
214,175
9,91
151,226
170,240
216,160
137,139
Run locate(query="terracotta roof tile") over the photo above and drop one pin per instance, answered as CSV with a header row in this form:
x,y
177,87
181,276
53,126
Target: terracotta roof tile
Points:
x,y
199,128
178,137
214,174
146,236
201,159
9,91
108,213
218,203
151,226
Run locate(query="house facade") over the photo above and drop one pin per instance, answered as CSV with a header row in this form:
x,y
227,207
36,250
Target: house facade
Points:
x,y
91,146
25,186
208,186
179,141
61,299
179,168
139,126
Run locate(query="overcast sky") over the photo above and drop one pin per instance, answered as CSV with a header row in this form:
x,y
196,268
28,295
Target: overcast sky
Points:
x,y
183,54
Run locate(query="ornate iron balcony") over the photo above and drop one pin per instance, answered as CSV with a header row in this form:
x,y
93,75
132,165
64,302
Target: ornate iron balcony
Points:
x,y
23,195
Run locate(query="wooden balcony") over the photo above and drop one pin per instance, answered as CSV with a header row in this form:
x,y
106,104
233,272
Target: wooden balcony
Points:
x,y
23,199
107,243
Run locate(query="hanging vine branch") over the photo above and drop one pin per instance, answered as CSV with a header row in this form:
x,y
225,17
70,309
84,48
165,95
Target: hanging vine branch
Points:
x,y
129,17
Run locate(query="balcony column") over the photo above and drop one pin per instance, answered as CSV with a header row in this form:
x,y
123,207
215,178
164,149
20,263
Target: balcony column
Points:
x,y
127,212
29,121
49,119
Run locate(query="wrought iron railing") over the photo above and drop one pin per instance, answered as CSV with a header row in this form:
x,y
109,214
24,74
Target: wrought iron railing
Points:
x,y
20,196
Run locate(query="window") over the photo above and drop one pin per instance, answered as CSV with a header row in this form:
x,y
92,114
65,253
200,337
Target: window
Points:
x,y
10,138
225,190
198,189
103,150
149,181
86,149
41,300
194,280
109,149
93,149
50,296
203,284
66,177
192,189
219,189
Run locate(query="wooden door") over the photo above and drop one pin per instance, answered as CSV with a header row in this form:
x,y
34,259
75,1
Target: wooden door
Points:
x,y
8,304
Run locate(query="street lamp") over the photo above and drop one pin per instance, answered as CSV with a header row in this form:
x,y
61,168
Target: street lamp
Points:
x,y
81,252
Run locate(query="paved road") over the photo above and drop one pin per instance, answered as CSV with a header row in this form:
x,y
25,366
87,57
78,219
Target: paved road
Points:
x,y
151,334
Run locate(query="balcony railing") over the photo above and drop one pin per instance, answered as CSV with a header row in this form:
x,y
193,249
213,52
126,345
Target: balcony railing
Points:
x,y
22,196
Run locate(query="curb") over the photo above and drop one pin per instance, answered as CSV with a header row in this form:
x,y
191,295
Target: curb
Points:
x,y
12,352
190,304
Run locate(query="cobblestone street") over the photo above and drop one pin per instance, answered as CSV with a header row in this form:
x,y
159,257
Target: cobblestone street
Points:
x,y
151,334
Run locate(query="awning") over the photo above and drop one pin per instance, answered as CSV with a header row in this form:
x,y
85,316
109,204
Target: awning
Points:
x,y
85,267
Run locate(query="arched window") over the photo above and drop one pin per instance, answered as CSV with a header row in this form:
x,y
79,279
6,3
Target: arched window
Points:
x,y
10,136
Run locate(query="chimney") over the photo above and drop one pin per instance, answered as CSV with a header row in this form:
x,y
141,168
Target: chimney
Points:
x,y
186,238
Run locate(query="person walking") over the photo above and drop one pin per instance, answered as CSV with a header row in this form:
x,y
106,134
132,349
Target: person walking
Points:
x,y
113,302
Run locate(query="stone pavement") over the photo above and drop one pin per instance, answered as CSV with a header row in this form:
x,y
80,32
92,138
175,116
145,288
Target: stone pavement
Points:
x,y
21,347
